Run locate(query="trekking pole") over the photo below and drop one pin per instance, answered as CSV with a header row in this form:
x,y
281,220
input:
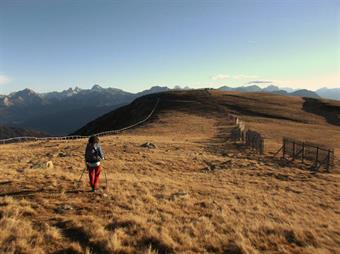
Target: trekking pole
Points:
x,y
81,175
105,178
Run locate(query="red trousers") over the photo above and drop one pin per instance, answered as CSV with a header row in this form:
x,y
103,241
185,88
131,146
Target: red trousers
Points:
x,y
94,174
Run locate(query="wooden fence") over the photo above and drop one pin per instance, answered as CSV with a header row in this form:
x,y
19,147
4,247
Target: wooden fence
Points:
x,y
250,138
318,155
254,140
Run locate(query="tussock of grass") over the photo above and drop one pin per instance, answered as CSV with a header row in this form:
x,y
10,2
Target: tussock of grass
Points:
x,y
18,233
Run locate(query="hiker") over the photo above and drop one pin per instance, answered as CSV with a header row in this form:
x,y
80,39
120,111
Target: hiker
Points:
x,y
93,155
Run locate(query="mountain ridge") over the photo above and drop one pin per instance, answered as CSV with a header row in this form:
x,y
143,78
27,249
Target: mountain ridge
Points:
x,y
272,89
60,113
12,132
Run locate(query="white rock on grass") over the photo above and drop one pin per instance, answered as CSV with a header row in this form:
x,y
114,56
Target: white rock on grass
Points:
x,y
149,145
49,165
179,195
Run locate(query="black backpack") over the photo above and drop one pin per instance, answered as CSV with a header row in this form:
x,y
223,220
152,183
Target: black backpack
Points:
x,y
91,153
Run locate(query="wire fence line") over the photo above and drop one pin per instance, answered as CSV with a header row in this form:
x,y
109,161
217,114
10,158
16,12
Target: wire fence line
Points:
x,y
318,154
105,133
250,138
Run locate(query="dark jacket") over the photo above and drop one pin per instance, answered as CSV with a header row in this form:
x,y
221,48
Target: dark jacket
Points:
x,y
94,153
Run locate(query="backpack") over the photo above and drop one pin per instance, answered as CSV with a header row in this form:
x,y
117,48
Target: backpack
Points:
x,y
91,153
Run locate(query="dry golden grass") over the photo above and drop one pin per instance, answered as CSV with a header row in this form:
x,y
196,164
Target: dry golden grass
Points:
x,y
166,200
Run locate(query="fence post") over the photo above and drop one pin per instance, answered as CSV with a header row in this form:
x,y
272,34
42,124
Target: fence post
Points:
x,y
328,160
303,152
317,156
284,148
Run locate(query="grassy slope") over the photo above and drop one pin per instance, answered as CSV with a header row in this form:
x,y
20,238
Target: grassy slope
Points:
x,y
248,206
275,116
11,132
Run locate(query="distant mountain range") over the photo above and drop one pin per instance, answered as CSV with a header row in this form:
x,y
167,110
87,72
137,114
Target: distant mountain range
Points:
x,y
61,113
328,93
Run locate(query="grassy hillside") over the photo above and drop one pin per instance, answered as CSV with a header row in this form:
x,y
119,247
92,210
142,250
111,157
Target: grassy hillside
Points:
x,y
194,193
11,132
274,116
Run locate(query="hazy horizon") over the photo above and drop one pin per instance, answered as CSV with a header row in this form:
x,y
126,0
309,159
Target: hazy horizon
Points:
x,y
133,45
170,87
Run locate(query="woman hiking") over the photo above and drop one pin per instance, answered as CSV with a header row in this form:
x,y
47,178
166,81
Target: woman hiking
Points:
x,y
93,155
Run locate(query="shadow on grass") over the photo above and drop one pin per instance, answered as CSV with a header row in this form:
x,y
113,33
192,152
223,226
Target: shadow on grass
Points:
x,y
67,251
78,234
41,190
330,112
21,193
157,245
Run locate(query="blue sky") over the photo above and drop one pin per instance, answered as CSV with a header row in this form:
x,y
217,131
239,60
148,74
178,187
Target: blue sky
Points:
x,y
52,45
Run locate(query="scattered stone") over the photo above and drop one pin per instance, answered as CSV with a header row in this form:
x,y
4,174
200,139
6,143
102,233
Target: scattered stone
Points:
x,y
49,165
282,177
244,164
64,208
227,164
61,154
67,207
160,196
49,155
149,145
211,167
50,187
203,204
179,195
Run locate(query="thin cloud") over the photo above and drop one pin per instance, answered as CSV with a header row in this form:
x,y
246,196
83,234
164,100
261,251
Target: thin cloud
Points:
x,y
260,82
220,77
4,79
235,77
244,76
